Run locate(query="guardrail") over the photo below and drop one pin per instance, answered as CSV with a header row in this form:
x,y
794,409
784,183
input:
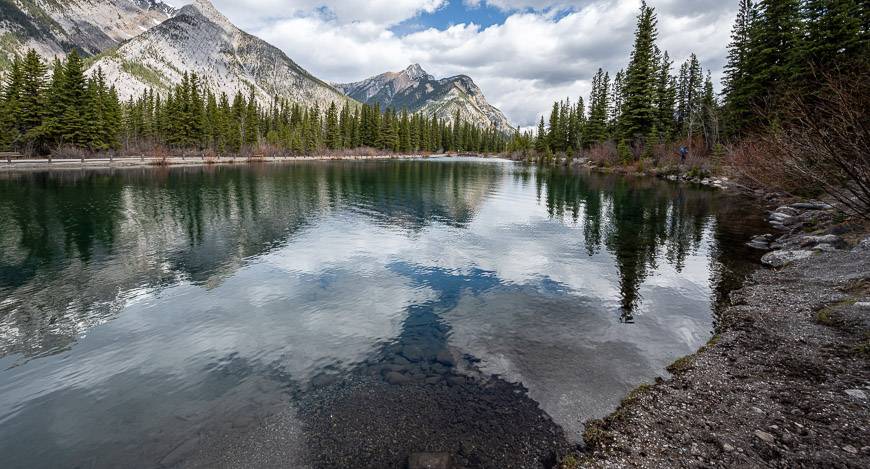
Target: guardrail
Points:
x,y
9,155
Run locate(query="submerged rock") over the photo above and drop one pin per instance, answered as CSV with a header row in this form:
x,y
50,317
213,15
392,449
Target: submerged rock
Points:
x,y
396,378
761,242
429,461
784,258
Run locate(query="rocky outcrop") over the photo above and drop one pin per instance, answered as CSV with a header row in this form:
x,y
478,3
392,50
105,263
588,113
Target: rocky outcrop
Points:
x,y
53,28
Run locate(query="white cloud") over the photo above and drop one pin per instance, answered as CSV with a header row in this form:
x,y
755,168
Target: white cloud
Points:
x,y
523,64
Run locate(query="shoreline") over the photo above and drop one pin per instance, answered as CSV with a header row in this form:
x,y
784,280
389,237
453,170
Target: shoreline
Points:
x,y
785,380
177,161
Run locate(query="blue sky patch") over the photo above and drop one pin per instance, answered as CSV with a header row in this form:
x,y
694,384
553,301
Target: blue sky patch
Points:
x,y
455,12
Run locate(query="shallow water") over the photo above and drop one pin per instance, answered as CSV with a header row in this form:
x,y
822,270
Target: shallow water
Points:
x,y
144,311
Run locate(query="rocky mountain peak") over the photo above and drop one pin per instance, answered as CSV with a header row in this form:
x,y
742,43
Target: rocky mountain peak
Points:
x,y
416,72
417,91
207,10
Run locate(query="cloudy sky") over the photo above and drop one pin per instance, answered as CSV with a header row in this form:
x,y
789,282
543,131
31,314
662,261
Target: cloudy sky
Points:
x,y
524,54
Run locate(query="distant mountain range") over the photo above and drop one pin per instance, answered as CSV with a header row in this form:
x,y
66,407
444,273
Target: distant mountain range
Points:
x,y
418,91
142,44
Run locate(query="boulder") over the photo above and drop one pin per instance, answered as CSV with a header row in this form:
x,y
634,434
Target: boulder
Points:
x,y
445,358
784,258
832,240
786,210
812,206
395,378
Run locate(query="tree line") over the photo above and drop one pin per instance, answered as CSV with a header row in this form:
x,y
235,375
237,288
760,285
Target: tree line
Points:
x,y
42,112
779,49
782,49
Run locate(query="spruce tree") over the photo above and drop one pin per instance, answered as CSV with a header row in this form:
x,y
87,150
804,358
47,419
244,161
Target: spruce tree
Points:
x,y
666,97
774,38
737,86
31,101
596,125
639,114
73,127
541,143
333,131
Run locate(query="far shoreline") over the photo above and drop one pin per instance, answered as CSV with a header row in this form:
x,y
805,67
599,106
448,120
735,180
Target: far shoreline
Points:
x,y
38,164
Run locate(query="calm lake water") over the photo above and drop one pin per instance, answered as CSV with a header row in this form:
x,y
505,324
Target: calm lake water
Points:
x,y
189,316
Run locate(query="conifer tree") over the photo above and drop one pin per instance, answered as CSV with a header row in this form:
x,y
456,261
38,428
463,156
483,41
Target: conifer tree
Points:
x,y
73,127
31,100
774,38
333,131
596,125
541,144
639,114
737,86
666,97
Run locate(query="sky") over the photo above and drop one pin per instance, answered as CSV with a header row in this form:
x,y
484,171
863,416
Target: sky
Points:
x,y
524,54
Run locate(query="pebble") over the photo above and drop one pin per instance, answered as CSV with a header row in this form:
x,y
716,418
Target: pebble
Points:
x,y
850,449
764,436
727,448
857,394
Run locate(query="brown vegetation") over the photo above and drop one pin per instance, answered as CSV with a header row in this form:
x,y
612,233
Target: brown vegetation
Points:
x,y
820,145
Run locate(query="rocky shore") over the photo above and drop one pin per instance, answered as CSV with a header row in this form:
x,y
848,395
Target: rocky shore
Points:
x,y
785,382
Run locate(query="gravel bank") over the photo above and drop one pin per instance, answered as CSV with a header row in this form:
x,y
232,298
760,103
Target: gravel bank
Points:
x,y
785,382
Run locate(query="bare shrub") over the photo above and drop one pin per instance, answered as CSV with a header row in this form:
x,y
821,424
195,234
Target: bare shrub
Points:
x,y
160,155
822,144
603,154
69,152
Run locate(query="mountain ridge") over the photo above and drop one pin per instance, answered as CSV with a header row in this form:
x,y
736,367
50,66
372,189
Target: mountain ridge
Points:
x,y
200,39
418,91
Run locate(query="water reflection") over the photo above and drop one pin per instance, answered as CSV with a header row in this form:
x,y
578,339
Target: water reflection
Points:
x,y
156,304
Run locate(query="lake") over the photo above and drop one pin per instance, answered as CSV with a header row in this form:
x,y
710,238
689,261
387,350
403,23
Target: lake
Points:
x,y
345,314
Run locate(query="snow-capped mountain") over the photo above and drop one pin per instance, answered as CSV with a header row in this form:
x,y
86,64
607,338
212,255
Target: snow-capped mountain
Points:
x,y
418,91
199,39
55,27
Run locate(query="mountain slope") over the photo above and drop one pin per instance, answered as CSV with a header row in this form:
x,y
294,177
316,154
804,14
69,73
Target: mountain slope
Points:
x,y
418,91
55,27
199,39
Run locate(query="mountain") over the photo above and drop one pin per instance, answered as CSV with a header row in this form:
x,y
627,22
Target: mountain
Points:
x,y
55,27
199,39
418,91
